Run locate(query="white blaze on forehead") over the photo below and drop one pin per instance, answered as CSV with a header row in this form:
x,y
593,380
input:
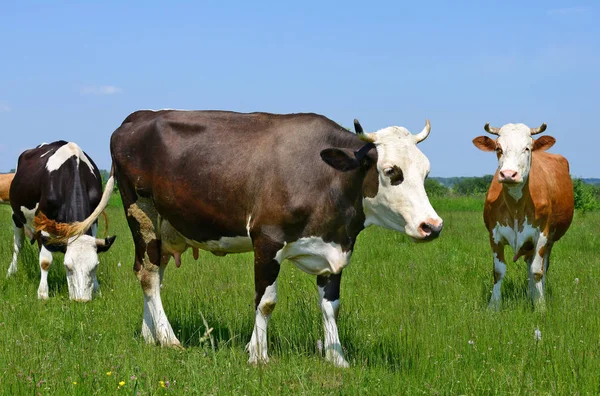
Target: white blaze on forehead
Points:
x,y
65,152
403,207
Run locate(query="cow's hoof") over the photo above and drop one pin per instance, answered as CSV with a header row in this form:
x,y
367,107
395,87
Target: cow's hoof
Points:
x,y
337,359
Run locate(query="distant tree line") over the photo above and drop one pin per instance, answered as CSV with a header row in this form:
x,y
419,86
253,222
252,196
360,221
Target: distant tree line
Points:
x,y
587,194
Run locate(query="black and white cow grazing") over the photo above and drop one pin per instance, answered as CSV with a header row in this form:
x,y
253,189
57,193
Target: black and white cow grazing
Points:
x,y
296,187
57,185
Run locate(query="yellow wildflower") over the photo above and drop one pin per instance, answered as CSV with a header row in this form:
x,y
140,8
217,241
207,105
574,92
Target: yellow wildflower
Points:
x,y
109,373
121,383
162,384
74,382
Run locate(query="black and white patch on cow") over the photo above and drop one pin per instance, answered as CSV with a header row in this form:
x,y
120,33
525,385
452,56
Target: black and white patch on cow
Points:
x,y
55,186
297,187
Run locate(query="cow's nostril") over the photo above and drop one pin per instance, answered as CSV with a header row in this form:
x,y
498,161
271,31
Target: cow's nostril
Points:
x,y
426,229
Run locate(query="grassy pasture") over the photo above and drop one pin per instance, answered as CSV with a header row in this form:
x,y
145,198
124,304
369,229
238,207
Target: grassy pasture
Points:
x,y
413,320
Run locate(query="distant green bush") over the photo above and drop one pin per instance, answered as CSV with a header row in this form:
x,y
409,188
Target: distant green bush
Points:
x,y
587,196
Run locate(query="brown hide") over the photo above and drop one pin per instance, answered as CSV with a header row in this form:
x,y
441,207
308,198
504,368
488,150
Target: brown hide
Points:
x,y
547,200
5,180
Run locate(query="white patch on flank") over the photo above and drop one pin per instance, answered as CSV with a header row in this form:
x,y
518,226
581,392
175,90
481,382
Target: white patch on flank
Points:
x,y
315,256
258,343
65,152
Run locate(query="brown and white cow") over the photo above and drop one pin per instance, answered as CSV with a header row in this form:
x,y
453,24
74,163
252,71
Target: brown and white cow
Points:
x,y
57,189
529,205
5,180
296,187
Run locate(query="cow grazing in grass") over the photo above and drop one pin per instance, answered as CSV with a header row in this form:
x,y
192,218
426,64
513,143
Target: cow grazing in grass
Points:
x,y
53,196
529,205
5,180
296,187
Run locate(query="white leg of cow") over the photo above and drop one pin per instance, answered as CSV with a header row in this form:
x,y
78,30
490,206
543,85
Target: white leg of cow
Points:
x,y
499,272
155,326
17,244
266,270
537,273
329,301
258,342
45,262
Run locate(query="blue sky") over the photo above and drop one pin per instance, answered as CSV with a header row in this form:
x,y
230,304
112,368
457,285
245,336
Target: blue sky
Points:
x,y
75,70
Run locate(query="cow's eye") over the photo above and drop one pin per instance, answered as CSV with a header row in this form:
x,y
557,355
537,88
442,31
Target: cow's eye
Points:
x,y
499,150
395,174
527,149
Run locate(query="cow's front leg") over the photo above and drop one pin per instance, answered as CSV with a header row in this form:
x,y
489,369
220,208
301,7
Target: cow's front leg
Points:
x,y
538,265
19,235
266,270
45,262
329,300
499,272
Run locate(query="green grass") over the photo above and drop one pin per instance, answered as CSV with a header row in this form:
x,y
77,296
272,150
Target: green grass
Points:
x,y
413,320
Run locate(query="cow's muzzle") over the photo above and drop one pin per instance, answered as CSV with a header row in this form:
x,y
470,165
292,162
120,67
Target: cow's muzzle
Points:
x,y
430,229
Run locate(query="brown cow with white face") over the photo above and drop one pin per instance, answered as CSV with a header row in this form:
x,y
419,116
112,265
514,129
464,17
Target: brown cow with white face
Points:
x,y
529,205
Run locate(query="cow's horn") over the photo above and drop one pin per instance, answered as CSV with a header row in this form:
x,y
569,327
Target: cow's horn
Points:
x,y
358,128
535,131
490,129
367,137
424,133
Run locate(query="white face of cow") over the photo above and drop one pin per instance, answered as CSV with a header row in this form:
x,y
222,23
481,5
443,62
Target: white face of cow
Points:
x,y
514,146
401,202
513,149
81,262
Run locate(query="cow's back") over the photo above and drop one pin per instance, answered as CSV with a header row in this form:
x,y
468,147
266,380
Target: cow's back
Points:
x,y
65,194
229,166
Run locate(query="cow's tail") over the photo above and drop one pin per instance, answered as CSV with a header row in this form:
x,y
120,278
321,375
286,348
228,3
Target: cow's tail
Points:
x,y
61,232
81,227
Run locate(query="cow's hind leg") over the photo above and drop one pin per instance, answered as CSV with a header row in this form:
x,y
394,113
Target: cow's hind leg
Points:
x,y
143,221
329,300
266,270
45,262
19,235
499,272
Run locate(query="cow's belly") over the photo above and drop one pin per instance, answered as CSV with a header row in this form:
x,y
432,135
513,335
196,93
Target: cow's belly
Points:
x,y
174,242
515,236
315,256
312,255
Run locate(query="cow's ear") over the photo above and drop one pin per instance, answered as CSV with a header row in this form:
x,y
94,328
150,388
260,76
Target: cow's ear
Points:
x,y
104,244
543,143
341,159
484,143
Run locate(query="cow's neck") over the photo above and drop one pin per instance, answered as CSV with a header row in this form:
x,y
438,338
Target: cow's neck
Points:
x,y
515,197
